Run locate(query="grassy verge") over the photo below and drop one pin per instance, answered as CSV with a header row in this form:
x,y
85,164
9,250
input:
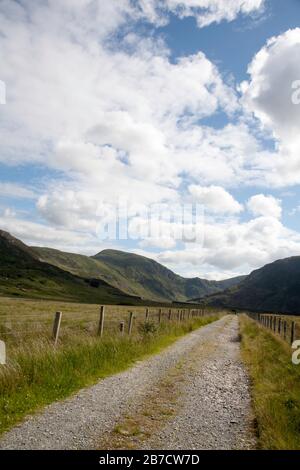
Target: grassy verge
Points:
x,y
37,374
275,387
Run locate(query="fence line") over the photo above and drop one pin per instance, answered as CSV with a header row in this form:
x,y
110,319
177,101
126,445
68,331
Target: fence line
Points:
x,y
284,327
108,321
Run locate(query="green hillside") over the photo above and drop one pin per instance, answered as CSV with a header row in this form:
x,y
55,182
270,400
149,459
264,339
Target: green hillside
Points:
x,y
273,288
23,274
134,274
84,266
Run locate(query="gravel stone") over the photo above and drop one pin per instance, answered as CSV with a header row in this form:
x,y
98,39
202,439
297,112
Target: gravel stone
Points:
x,y
216,395
215,412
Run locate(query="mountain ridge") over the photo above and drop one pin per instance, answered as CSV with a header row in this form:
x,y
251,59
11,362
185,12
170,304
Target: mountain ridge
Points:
x,y
273,288
114,276
135,274
23,274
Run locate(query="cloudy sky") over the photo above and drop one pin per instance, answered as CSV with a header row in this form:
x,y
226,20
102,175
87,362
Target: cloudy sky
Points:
x,y
152,102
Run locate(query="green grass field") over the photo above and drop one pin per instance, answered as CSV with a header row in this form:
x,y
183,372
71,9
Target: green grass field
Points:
x,y
37,373
21,318
275,387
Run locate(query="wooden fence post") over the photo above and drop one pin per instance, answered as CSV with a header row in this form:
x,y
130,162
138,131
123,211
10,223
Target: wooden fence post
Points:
x,y
131,317
279,326
170,314
292,332
122,327
147,314
101,321
284,329
275,324
2,353
56,327
159,315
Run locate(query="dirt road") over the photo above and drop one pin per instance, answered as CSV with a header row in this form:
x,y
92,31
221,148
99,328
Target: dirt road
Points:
x,y
193,395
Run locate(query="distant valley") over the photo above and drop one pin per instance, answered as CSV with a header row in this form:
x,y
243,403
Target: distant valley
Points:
x,y
110,276
135,274
118,277
273,288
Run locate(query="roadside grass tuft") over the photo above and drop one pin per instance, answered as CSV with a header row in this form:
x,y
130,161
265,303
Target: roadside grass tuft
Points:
x,y
37,374
275,387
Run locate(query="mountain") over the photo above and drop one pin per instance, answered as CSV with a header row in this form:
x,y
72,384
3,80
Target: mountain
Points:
x,y
85,266
23,274
273,288
134,274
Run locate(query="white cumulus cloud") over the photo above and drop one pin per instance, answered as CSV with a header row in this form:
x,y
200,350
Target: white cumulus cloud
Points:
x,y
205,11
111,115
269,96
215,199
267,206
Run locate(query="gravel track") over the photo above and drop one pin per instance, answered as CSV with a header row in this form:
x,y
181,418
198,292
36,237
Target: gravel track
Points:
x,y
215,411
217,387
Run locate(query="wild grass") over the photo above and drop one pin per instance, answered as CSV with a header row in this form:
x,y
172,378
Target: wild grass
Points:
x,y
275,387
38,374
21,318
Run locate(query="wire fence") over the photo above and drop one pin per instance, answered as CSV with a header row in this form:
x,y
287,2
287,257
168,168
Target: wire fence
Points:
x,y
102,320
286,327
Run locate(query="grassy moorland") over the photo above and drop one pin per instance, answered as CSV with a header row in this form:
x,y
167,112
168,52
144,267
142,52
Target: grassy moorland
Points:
x,y
23,275
275,387
37,374
134,274
273,288
111,277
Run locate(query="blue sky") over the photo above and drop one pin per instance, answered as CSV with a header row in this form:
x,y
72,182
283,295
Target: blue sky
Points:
x,y
232,44
153,102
